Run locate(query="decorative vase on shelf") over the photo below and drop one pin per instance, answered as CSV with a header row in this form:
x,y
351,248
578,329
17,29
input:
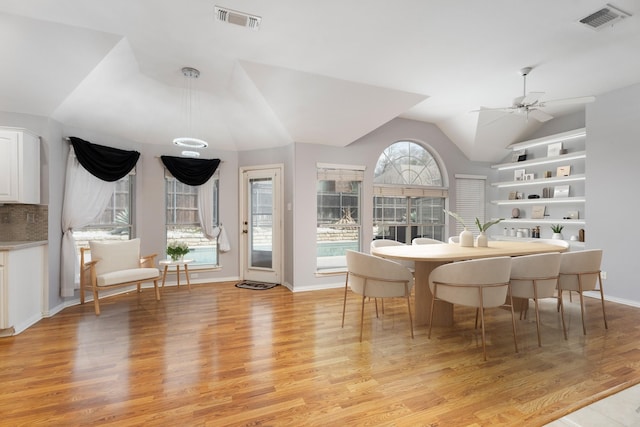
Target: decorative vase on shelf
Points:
x,y
466,238
558,236
482,241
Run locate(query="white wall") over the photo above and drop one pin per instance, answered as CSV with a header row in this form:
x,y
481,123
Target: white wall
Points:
x,y
364,151
613,152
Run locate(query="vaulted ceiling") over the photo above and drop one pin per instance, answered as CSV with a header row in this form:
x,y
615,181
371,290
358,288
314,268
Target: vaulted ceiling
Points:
x,y
323,72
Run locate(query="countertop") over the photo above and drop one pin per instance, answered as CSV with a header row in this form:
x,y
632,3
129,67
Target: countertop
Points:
x,y
9,246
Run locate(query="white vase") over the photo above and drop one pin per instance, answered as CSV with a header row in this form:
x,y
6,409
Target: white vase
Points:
x,y
466,238
482,241
558,236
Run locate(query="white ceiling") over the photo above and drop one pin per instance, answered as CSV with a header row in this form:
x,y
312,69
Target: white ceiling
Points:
x,y
323,72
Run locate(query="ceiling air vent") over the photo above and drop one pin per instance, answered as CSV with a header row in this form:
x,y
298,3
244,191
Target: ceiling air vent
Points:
x,y
237,18
605,17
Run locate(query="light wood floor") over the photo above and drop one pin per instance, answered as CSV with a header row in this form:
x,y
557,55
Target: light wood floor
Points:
x,y
220,355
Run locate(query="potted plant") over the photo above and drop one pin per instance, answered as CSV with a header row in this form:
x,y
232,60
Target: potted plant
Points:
x,y
177,250
466,236
482,240
557,231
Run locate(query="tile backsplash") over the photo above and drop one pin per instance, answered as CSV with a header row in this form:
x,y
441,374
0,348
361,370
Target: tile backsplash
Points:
x,y
23,223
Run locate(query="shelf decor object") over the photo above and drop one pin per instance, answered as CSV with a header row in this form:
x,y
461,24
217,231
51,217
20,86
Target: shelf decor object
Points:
x,y
554,170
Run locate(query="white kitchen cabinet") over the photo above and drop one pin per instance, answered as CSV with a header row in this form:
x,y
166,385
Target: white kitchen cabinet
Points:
x,y
19,166
22,280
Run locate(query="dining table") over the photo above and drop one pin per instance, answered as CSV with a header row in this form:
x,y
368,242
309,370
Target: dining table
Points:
x,y
427,257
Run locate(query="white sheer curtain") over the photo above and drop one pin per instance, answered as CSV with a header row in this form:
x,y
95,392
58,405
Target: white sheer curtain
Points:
x,y
205,214
85,198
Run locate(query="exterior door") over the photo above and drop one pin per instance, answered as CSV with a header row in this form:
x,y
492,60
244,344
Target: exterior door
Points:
x,y
261,232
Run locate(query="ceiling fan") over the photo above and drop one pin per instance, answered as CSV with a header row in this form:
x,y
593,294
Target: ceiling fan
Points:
x,y
529,104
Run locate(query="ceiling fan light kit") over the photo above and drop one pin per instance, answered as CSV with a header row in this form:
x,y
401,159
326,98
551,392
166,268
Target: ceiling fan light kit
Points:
x,y
530,104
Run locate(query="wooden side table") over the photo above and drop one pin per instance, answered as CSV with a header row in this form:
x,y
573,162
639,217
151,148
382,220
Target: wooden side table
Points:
x,y
171,263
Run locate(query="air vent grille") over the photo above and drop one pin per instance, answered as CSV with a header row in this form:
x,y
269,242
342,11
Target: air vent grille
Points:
x,y
604,18
237,18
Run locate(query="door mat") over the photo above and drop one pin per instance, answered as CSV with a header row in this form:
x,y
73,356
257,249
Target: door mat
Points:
x,y
256,286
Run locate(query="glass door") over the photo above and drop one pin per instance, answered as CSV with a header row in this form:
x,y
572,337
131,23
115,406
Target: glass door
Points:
x,y
261,225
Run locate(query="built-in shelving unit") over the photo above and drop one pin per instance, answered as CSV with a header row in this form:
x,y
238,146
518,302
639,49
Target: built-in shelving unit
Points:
x,y
534,183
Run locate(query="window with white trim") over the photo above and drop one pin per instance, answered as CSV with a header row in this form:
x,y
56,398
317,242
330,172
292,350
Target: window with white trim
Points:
x,y
470,201
338,190
183,223
409,196
115,223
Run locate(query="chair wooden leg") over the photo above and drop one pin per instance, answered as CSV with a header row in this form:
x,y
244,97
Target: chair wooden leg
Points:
x,y
484,347
535,300
375,300
344,304
406,292
604,315
157,290
584,328
513,321
561,304
96,304
361,318
433,300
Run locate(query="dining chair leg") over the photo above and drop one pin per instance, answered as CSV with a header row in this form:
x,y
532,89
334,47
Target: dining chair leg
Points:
x,y
584,328
484,347
344,304
604,315
433,301
564,326
361,318
535,300
513,321
407,293
375,300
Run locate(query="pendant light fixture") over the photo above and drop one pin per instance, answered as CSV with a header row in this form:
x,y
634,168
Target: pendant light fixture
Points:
x,y
189,141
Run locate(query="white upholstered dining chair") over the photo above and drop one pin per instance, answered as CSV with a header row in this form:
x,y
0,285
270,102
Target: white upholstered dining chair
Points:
x,y
580,272
376,277
480,283
536,277
425,241
380,243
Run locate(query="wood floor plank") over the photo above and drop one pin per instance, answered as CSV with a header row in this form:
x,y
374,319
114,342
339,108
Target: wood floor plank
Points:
x,y
220,355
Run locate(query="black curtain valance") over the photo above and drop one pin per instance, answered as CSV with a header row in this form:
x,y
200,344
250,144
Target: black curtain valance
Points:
x,y
191,171
107,163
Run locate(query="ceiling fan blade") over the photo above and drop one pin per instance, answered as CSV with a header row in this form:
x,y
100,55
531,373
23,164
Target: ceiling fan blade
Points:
x,y
531,98
540,116
579,100
505,109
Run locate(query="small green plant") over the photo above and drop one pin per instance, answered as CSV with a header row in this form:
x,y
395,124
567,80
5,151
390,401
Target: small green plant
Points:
x,y
456,216
557,228
177,249
486,225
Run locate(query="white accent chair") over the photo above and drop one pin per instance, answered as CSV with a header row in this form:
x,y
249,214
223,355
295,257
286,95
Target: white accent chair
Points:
x,y
454,239
480,283
379,243
536,276
557,242
425,241
580,272
376,277
115,264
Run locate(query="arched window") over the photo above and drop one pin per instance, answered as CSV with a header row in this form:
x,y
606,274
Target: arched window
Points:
x,y
409,194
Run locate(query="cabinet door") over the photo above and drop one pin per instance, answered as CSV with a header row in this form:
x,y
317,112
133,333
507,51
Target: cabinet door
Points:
x,y
8,166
